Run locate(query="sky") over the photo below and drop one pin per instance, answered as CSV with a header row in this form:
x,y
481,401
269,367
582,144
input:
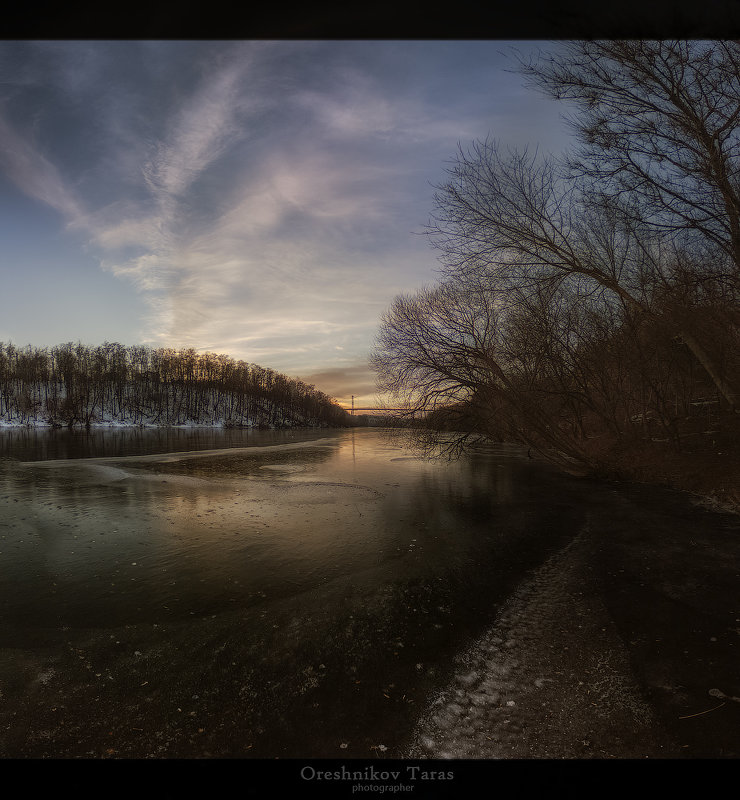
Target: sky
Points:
x,y
263,199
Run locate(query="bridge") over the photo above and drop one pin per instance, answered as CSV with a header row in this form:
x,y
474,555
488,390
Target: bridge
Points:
x,y
358,408
378,410
354,408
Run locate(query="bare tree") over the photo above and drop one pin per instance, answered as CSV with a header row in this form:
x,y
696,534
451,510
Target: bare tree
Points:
x,y
659,129
658,126
81,385
502,365
516,220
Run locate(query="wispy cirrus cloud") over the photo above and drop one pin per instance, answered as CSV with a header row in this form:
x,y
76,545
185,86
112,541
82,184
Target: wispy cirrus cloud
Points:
x,y
155,227
202,130
34,174
359,108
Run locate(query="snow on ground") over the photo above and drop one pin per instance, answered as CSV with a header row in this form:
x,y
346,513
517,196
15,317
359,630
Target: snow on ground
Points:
x,y
145,422
550,679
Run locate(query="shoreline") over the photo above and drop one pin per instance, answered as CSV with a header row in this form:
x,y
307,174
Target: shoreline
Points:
x,y
707,483
569,666
97,426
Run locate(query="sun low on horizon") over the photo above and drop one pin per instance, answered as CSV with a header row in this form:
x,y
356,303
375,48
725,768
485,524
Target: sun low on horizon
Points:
x,y
261,199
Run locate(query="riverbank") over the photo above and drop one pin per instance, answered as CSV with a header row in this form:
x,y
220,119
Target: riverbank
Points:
x,y
706,466
343,598
622,645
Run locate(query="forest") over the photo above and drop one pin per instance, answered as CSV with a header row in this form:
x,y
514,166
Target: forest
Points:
x,y
77,385
587,305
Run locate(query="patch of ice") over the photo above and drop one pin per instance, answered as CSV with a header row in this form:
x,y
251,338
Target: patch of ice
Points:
x,y
106,473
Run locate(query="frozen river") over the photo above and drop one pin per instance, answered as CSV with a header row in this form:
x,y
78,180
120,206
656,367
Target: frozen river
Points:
x,y
302,594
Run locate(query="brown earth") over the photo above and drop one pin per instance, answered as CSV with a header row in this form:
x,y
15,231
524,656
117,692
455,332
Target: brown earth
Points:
x,y
704,462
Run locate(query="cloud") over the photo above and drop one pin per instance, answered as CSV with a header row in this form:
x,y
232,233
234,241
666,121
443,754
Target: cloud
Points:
x,y
357,108
290,244
127,232
205,126
353,109
343,382
33,174
259,195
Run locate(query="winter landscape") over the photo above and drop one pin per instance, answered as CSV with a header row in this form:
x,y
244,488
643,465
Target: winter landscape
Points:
x,y
280,482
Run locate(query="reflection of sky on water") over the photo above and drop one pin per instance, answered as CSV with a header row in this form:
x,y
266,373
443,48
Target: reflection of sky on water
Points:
x,y
32,444
86,543
325,577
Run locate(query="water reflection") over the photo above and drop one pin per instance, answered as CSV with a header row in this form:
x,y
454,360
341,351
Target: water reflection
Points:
x,y
39,444
346,570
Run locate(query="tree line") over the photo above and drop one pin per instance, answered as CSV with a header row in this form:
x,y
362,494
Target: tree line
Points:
x,y
587,301
80,385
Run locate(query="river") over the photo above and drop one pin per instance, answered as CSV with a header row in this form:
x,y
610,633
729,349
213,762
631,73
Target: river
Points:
x,y
331,594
